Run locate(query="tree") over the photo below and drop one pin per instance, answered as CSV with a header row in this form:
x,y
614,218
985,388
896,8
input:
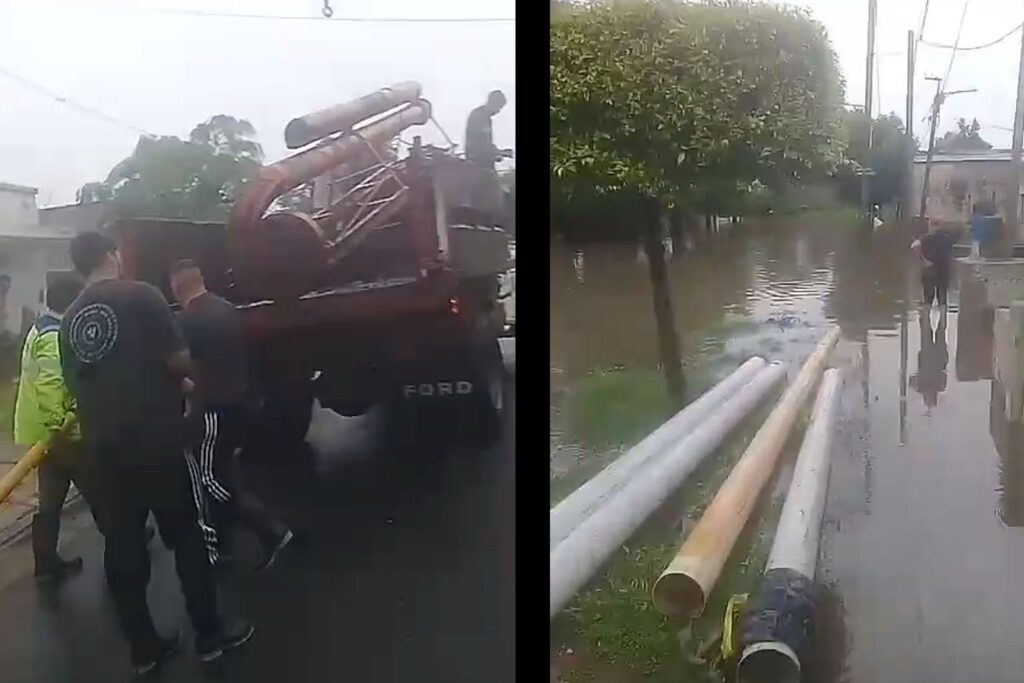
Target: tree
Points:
x,y
888,158
198,179
656,105
228,135
966,138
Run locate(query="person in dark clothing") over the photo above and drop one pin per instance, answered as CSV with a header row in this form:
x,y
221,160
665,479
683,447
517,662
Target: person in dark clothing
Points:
x,y
125,364
936,251
480,147
215,335
932,359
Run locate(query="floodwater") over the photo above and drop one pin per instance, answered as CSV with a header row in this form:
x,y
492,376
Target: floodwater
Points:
x,y
923,548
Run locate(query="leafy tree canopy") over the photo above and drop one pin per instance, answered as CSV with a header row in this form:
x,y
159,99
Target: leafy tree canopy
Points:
x,y
888,156
197,179
966,138
689,103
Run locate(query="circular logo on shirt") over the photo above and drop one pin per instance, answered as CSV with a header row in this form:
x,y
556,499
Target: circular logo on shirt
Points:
x,y
93,332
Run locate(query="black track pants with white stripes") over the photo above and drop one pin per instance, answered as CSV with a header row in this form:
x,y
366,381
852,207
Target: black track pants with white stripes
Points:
x,y
215,467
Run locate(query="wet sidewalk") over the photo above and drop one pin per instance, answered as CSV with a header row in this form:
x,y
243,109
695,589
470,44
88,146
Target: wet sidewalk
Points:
x,y
924,537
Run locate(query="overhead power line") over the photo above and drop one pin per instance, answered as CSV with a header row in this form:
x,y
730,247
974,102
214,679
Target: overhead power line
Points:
x,y
956,43
974,47
920,31
332,18
57,97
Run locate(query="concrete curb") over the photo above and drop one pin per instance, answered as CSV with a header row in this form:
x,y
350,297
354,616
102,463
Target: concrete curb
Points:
x,y
16,529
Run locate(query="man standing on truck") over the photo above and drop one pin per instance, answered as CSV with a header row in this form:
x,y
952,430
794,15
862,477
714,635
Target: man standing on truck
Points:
x,y
125,363
215,334
480,147
490,200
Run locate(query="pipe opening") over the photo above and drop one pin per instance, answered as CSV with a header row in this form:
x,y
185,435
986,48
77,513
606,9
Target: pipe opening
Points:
x,y
678,595
768,663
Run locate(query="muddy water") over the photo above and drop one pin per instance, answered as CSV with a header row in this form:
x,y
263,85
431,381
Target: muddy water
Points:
x,y
924,534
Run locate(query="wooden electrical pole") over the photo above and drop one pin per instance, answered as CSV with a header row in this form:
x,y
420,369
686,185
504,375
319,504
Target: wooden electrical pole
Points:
x,y
911,146
936,103
940,97
868,89
1013,216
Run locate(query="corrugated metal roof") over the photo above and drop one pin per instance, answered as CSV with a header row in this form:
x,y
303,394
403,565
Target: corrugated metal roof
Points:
x,y
952,157
11,187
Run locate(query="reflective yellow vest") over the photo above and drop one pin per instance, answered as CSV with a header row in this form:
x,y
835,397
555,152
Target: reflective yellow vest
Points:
x,y
43,402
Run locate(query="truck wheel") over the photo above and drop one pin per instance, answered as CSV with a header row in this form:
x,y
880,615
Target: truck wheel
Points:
x,y
283,420
485,421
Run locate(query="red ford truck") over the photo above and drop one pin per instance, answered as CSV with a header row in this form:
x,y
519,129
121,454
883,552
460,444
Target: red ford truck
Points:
x,y
385,292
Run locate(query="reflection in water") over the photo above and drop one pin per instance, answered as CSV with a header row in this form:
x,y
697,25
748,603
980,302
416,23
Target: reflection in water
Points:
x,y
904,342
930,380
974,332
766,288
1008,437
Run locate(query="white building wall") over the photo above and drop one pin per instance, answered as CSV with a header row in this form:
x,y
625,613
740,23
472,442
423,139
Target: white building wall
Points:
x,y
18,212
27,253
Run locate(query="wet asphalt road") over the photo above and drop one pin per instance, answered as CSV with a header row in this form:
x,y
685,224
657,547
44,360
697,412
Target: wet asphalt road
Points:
x,y
407,574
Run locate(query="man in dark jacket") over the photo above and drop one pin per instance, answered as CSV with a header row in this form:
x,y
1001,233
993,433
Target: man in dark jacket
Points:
x,y
125,362
217,406
480,147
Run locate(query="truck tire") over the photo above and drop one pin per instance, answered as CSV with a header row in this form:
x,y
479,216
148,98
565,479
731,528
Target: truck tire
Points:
x,y
282,421
484,425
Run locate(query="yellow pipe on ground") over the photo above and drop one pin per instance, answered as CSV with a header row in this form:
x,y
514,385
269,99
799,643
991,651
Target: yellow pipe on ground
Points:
x,y
683,588
26,464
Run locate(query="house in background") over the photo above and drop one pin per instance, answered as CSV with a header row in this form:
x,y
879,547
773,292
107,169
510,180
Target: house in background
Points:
x,y
958,180
30,251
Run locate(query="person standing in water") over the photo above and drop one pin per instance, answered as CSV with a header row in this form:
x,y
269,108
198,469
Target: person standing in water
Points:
x,y
936,252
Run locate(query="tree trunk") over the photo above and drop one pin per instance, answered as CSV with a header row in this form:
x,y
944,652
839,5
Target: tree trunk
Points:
x,y
668,339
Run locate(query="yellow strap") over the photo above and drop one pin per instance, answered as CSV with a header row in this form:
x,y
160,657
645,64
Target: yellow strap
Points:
x,y
732,613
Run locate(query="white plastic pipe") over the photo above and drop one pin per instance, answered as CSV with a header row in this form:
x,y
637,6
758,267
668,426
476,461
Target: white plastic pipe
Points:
x,y
582,502
796,539
682,589
590,545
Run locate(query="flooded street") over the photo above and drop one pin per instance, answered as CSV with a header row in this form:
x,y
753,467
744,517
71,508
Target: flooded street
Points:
x,y
923,544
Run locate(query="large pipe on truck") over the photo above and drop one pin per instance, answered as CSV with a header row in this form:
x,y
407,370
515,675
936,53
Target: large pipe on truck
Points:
x,y
576,507
590,545
683,588
276,179
343,117
779,621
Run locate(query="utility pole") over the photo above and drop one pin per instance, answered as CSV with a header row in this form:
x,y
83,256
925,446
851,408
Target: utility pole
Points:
x,y
1018,138
868,90
936,103
909,192
940,97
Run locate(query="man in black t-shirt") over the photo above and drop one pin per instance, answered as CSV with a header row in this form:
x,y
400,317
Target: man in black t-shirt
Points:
x,y
936,251
125,363
216,338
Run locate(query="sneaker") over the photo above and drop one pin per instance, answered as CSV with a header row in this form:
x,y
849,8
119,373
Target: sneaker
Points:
x,y
272,555
58,570
165,649
231,635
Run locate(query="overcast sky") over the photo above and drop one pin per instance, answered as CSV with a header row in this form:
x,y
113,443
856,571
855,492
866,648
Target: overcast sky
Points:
x,y
164,72
992,71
